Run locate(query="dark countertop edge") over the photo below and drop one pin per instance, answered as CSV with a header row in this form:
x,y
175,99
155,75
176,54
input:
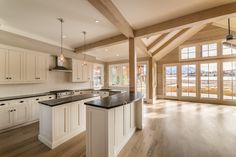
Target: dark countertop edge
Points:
x,y
107,108
24,96
62,103
107,90
110,107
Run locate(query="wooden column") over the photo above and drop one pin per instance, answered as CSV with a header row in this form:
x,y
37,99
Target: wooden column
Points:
x,y
132,66
150,81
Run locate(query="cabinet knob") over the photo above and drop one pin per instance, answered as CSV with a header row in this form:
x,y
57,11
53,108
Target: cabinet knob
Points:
x,y
21,101
50,97
2,104
9,78
37,99
14,110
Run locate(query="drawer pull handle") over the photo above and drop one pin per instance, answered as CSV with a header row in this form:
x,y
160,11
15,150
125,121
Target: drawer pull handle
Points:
x,y
2,104
50,97
21,101
37,99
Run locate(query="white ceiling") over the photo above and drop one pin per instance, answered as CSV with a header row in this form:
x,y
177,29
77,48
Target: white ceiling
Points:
x,y
38,19
142,13
114,53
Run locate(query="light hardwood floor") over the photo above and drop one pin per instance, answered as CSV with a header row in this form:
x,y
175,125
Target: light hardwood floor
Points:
x,y
171,129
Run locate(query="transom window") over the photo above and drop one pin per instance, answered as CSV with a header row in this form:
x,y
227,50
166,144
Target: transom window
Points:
x,y
188,52
228,50
209,50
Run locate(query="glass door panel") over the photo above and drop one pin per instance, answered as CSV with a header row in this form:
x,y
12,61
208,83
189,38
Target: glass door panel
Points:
x,y
142,79
209,80
171,81
188,80
229,80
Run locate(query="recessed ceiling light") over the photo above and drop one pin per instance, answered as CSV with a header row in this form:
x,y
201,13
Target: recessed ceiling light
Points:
x,y
97,21
106,50
64,36
117,55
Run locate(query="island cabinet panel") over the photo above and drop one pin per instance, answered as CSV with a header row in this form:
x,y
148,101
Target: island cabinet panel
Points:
x,y
108,130
5,115
61,121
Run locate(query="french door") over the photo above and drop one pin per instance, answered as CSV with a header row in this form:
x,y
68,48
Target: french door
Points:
x,y
171,81
142,78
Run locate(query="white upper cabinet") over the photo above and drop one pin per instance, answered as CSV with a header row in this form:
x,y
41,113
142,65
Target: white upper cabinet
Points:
x,y
3,68
36,67
11,66
81,71
22,66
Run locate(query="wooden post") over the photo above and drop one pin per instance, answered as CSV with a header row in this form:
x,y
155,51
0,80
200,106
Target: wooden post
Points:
x,y
150,81
132,66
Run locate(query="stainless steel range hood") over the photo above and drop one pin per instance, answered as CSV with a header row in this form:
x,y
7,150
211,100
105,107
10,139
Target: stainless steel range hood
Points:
x,y
60,67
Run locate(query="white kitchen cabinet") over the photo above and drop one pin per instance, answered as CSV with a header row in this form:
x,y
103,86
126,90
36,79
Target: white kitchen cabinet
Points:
x,y
5,115
11,70
20,112
108,130
3,65
81,71
75,115
36,67
61,121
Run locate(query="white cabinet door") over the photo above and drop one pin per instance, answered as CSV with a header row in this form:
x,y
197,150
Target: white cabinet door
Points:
x,y
15,62
20,113
41,67
132,116
3,65
34,108
30,67
61,121
75,116
5,118
79,70
83,115
127,119
119,126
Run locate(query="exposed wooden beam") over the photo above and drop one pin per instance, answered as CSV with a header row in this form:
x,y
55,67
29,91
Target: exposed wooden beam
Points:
x,y
109,10
201,17
157,41
164,40
171,40
142,47
103,43
176,41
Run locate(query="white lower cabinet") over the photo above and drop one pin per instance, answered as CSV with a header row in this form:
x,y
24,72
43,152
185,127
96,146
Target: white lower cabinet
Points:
x,y
5,115
60,123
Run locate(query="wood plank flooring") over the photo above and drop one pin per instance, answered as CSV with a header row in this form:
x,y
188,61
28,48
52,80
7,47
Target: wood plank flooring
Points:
x,y
171,129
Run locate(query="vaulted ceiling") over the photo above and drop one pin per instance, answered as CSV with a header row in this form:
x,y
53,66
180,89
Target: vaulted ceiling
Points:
x,y
37,19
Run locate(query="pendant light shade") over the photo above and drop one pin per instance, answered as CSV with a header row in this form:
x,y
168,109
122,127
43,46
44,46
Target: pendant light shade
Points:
x,y
61,57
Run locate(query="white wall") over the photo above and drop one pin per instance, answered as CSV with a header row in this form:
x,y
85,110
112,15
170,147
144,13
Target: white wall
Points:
x,y
56,81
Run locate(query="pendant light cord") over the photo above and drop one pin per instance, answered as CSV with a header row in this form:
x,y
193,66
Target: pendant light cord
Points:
x,y
61,20
229,26
84,44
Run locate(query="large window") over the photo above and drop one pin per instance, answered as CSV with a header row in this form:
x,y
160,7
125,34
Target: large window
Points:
x,y
119,75
228,50
209,80
98,74
229,80
171,81
142,79
188,52
188,80
209,50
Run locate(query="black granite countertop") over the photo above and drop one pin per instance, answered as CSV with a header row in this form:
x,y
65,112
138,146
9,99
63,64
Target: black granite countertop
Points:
x,y
56,102
24,96
115,100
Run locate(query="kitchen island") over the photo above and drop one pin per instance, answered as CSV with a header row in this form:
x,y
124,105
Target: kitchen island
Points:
x,y
111,122
61,119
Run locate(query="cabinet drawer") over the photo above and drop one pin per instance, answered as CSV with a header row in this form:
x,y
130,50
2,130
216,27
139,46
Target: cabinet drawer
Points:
x,y
4,104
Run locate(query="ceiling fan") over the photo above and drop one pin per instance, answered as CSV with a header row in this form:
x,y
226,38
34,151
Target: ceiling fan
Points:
x,y
229,38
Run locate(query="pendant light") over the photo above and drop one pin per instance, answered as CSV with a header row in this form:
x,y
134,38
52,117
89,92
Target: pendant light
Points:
x,y
84,33
229,37
61,57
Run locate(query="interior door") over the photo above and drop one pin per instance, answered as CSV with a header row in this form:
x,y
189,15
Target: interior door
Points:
x,y
171,81
15,65
3,63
